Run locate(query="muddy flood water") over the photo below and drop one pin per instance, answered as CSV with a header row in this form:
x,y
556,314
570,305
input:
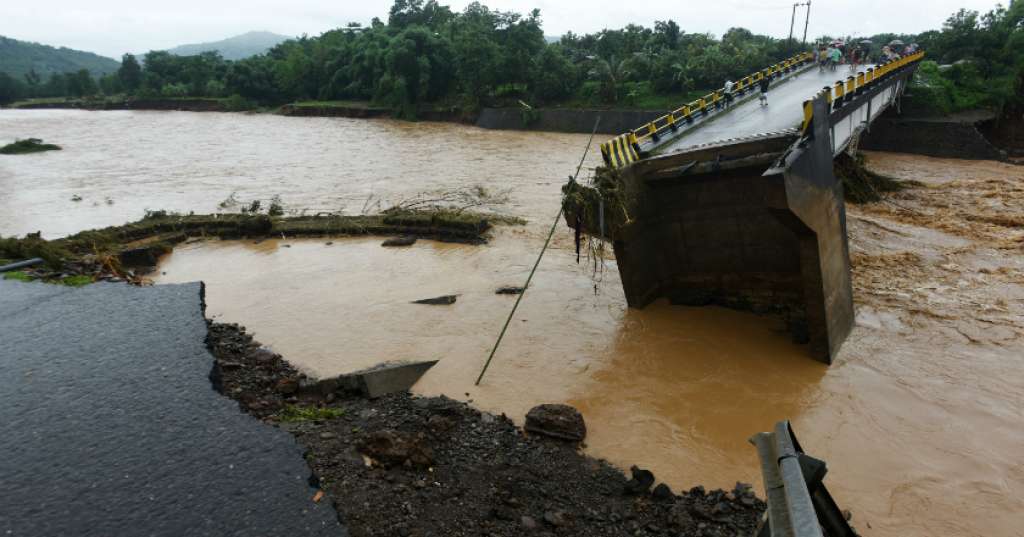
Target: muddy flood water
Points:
x,y
921,418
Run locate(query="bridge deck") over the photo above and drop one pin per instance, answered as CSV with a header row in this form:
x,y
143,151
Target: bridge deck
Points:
x,y
784,111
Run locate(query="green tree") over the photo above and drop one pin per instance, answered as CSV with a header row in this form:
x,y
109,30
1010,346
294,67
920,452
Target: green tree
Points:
x,y
32,83
611,73
11,89
111,84
130,73
554,76
81,84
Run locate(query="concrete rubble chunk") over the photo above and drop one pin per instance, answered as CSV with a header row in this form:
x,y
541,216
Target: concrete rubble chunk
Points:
x,y
377,381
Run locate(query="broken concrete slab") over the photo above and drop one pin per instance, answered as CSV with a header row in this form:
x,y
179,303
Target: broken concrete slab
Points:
x,y
446,300
377,381
392,377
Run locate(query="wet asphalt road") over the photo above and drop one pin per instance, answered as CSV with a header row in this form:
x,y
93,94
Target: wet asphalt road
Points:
x,y
784,111
110,426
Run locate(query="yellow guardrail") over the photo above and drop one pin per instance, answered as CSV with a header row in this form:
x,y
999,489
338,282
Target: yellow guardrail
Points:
x,y
621,150
612,150
866,79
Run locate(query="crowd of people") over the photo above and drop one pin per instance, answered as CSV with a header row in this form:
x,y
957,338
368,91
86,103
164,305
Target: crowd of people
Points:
x,y
830,56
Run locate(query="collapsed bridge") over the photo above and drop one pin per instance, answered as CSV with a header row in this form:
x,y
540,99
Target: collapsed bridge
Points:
x,y
725,201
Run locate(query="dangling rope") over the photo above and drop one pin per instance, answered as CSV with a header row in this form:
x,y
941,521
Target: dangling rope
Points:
x,y
547,241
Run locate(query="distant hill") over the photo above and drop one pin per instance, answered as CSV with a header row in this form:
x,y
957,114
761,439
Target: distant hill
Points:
x,y
19,57
234,48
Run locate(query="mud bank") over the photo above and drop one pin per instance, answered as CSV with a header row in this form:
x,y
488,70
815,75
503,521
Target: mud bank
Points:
x,y
185,105
354,110
451,470
565,119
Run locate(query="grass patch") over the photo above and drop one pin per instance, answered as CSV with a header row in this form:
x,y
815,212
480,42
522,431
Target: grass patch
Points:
x,y
75,281
38,101
18,276
294,413
28,145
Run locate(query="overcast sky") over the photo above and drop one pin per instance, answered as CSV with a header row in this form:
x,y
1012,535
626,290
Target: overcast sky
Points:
x,y
112,27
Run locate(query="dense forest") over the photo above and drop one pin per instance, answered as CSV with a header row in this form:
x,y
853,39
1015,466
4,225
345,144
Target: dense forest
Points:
x,y
427,54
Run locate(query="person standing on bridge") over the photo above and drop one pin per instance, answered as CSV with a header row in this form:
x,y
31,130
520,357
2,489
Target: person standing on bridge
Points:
x,y
728,92
763,86
836,56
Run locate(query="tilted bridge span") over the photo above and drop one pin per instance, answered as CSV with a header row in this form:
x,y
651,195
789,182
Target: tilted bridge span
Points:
x,y
724,201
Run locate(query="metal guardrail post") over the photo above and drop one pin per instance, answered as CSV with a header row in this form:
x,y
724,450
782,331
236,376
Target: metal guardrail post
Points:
x,y
799,505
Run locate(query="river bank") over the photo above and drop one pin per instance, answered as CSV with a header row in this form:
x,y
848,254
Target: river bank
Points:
x,y
919,425
568,120
464,471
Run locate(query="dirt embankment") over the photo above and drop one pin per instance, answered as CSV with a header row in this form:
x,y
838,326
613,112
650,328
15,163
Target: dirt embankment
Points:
x,y
418,467
187,105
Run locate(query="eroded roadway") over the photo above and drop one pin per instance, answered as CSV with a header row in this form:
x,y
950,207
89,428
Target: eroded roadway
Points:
x,y
110,426
784,111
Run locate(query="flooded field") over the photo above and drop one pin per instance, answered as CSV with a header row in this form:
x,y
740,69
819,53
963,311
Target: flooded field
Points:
x,y
920,418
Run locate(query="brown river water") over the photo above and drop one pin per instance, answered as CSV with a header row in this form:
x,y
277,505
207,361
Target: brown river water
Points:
x,y
921,418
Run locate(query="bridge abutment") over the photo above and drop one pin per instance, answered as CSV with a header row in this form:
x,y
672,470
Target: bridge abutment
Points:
x,y
717,232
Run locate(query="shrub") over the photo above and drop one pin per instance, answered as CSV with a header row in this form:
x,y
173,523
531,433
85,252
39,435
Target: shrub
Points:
x,y
237,103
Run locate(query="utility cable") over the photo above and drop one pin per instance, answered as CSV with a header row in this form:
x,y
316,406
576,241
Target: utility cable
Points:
x,y
547,241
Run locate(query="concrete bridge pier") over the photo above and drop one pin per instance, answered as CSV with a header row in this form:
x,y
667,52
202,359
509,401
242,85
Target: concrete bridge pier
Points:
x,y
711,226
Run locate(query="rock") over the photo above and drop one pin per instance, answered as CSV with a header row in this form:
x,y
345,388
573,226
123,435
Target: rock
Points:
x,y
287,386
503,513
557,421
399,241
663,493
394,448
446,300
265,356
509,290
440,424
140,257
556,518
679,515
487,418
641,481
528,523
327,435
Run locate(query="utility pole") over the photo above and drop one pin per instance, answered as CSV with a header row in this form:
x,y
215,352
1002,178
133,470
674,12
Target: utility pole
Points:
x,y
807,20
792,20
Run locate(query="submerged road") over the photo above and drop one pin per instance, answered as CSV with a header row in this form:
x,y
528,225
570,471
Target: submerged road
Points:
x,y
784,111
111,426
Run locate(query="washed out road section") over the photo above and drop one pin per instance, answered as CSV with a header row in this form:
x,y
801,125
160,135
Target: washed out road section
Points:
x,y
111,426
